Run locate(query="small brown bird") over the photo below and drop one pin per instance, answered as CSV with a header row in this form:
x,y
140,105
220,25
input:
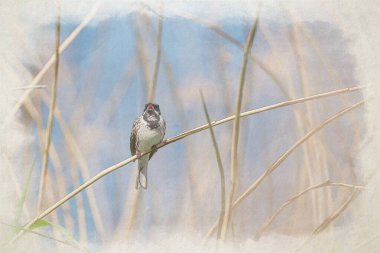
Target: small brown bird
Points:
x,y
148,130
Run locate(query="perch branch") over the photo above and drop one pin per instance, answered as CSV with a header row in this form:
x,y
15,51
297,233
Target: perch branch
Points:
x,y
174,139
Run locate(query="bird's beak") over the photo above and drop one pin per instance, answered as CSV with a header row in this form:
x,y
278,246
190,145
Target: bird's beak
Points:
x,y
150,108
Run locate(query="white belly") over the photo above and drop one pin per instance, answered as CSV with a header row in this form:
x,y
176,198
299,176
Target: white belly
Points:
x,y
147,138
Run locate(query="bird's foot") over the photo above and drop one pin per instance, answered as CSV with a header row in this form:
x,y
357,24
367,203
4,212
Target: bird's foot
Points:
x,y
154,148
138,155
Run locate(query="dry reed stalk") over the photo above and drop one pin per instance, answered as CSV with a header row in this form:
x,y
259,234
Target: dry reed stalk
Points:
x,y
291,93
75,150
79,201
336,214
260,63
278,81
74,176
225,80
120,233
142,56
318,147
150,95
136,199
278,64
334,77
221,169
87,92
315,44
327,183
51,197
191,195
263,109
178,101
84,102
29,106
152,91
51,60
81,214
318,206
62,187
56,162
76,191
142,59
53,96
327,222
340,210
215,28
185,134
34,87
283,157
179,106
236,129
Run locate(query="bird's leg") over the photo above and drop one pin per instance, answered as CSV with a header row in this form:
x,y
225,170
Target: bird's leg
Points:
x,y
154,148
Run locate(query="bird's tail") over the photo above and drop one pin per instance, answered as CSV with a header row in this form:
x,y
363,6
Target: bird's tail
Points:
x,y
142,177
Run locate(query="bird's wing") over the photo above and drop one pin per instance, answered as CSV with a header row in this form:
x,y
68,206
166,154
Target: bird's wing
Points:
x,y
163,129
133,138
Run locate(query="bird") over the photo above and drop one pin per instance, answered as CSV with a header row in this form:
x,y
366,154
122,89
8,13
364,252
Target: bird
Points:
x,y
148,130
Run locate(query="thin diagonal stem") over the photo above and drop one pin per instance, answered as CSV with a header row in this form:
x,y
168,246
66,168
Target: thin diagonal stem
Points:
x,y
327,183
53,96
336,214
152,91
50,62
74,147
221,170
236,130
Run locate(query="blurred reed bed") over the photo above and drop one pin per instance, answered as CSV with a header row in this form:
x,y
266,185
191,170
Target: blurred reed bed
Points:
x,y
279,165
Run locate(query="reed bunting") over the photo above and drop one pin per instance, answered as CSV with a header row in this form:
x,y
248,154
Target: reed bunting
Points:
x,y
148,130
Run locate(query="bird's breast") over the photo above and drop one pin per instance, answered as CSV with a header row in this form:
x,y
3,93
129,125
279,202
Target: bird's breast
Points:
x,y
147,138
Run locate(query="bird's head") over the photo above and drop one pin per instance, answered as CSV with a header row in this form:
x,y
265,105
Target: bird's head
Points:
x,y
151,112
152,108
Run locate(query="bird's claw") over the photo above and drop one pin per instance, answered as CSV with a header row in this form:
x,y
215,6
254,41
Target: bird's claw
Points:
x,y
138,155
